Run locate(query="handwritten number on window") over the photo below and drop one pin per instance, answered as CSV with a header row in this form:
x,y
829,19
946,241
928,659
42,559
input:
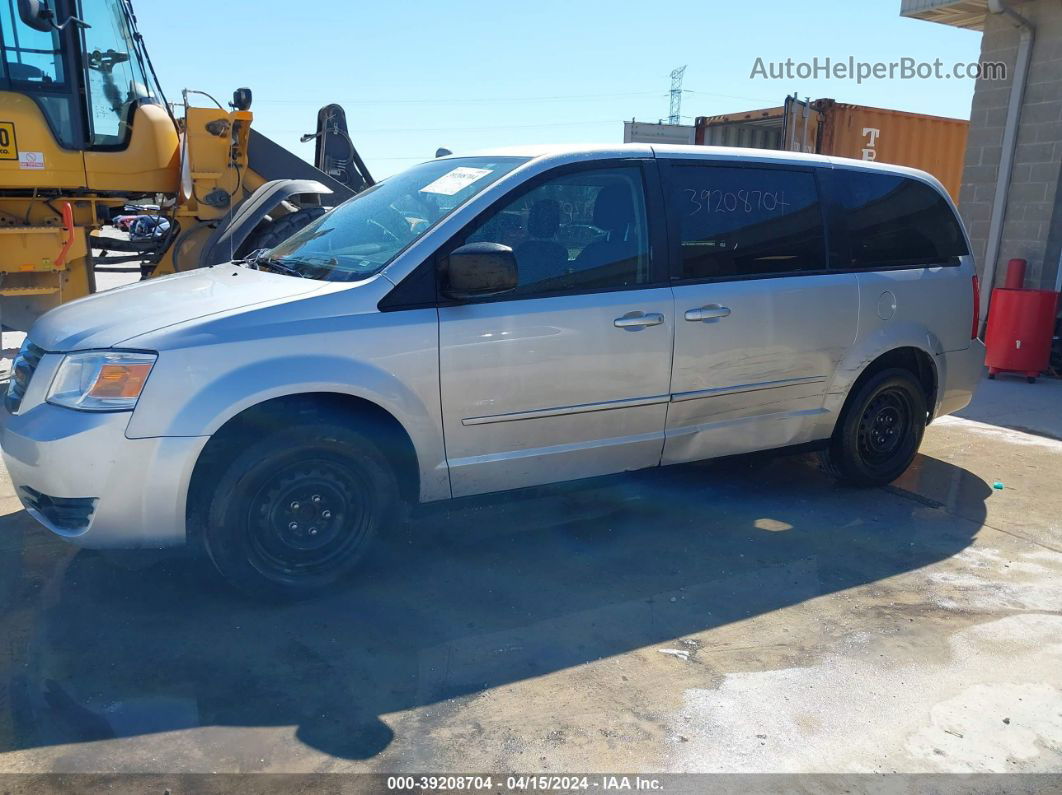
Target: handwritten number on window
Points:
x,y
710,200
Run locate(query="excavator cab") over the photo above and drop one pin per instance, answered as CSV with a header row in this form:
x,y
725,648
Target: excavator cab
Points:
x,y
76,76
85,130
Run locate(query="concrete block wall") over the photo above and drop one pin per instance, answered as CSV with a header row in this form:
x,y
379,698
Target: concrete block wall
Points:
x,y
1033,225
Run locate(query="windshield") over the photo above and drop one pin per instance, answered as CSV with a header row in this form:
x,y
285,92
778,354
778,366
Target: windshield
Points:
x,y
362,235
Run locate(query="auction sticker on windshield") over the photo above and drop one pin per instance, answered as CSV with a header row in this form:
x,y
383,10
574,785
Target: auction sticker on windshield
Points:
x,y
453,181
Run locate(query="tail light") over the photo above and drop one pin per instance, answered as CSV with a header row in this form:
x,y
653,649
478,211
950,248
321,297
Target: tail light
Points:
x,y
976,308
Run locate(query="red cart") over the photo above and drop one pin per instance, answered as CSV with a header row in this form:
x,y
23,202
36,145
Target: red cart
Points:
x,y
1020,326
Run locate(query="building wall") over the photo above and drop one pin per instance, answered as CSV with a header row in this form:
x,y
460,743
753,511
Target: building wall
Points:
x,y
1033,225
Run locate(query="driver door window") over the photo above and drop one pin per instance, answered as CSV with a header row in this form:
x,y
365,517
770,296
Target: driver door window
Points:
x,y
29,56
585,230
31,62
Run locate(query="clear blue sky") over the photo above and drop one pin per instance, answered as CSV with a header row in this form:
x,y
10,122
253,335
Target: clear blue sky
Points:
x,y
468,75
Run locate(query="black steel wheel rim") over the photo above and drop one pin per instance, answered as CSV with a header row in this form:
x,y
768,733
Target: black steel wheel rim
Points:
x,y
307,518
884,427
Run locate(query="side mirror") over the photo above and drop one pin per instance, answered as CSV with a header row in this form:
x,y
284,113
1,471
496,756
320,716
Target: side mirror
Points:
x,y
36,15
241,99
480,269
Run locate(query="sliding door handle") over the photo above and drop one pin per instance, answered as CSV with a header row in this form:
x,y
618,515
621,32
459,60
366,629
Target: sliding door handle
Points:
x,y
637,320
709,312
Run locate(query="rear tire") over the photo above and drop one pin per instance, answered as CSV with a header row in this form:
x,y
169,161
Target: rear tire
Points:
x,y
292,513
880,430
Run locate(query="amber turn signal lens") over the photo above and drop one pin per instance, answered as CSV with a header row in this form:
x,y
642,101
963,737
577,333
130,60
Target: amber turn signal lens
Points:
x,y
120,381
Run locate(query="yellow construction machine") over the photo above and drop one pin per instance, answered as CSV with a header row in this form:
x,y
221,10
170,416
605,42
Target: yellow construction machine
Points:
x,y
85,132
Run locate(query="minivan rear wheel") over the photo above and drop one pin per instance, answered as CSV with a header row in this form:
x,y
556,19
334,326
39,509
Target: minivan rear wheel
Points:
x,y
293,513
880,430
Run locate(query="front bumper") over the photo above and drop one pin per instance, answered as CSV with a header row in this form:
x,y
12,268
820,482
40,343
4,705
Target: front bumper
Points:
x,y
958,374
112,492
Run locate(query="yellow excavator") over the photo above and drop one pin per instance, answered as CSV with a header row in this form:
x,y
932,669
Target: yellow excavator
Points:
x,y
87,134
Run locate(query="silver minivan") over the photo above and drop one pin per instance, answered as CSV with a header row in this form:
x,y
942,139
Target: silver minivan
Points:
x,y
491,322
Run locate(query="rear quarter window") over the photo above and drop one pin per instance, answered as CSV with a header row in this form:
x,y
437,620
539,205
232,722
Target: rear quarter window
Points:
x,y
894,221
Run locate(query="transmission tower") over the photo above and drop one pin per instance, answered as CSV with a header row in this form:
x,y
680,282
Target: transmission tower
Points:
x,y
674,116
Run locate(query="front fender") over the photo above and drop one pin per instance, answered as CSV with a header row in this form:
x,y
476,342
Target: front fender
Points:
x,y
194,394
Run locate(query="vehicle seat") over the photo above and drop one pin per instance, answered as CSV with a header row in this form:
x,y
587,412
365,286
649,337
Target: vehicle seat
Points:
x,y
542,257
614,213
21,71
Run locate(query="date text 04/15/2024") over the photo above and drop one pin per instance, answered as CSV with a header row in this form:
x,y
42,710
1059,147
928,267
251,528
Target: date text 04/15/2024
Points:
x,y
524,783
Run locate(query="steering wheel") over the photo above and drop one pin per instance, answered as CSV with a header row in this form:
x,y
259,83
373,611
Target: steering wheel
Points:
x,y
386,232
394,225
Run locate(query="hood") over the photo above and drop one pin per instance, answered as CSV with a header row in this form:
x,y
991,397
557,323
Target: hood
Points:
x,y
106,319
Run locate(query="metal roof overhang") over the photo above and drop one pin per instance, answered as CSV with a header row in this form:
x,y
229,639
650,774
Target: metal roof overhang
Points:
x,y
969,14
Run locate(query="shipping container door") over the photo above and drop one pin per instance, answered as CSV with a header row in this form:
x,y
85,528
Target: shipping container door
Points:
x,y
801,126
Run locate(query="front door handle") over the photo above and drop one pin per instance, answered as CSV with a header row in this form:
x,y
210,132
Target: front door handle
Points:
x,y
637,320
709,312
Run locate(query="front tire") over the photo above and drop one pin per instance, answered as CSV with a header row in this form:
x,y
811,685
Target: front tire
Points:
x,y
273,233
880,430
292,513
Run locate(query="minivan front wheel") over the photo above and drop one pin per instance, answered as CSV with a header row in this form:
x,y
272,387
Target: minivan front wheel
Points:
x,y
880,430
294,512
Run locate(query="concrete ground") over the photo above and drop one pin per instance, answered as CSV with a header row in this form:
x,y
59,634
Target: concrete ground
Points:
x,y
744,615
1010,401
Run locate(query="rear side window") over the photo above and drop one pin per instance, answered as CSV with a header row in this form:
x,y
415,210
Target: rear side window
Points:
x,y
895,221
740,221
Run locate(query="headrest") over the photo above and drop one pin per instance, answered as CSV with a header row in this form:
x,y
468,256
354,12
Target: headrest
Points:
x,y
544,219
613,209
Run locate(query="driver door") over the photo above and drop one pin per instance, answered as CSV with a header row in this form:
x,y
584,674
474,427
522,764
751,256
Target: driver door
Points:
x,y
567,375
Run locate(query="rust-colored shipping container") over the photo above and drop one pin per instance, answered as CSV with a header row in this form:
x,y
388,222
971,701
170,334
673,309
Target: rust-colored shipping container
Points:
x,y
932,143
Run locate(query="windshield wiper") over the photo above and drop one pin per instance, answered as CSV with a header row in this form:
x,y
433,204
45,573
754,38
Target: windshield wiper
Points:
x,y
278,266
258,261
313,259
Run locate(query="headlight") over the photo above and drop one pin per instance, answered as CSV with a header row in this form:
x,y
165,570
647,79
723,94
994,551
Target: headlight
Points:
x,y
101,380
